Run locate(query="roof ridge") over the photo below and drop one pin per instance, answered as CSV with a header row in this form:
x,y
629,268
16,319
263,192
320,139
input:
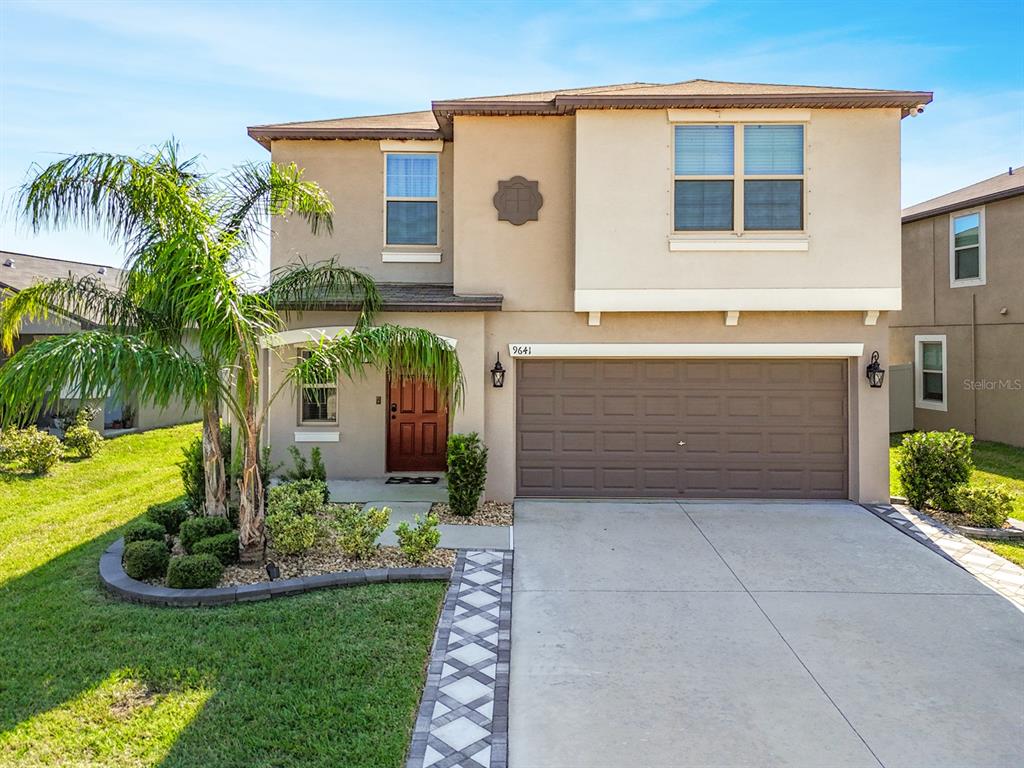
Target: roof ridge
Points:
x,y
347,117
633,84
55,258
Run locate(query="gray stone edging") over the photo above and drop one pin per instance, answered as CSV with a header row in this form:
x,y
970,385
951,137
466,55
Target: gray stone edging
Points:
x,y
123,586
1014,533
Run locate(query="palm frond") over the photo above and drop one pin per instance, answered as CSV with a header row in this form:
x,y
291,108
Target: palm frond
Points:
x,y
398,350
254,192
306,287
83,298
94,364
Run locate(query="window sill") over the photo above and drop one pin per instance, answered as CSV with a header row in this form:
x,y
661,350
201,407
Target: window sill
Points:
x,y
931,405
411,257
311,436
969,282
739,244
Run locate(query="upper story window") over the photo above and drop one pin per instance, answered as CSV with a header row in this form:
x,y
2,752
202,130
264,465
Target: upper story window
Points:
x,y
410,199
709,189
967,248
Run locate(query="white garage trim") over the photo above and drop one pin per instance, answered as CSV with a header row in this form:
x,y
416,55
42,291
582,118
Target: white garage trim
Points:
x,y
307,335
528,349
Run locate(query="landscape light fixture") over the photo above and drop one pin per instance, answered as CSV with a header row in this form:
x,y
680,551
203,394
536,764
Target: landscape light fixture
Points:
x,y
272,570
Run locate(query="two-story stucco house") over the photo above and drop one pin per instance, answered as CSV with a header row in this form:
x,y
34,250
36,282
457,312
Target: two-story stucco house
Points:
x,y
684,283
961,328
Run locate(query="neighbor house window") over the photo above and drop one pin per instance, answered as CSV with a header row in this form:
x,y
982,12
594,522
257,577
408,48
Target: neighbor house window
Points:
x,y
967,248
773,169
930,363
763,177
319,401
410,199
704,177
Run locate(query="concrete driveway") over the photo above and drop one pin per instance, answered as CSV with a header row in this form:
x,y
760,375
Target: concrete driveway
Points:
x,y
753,634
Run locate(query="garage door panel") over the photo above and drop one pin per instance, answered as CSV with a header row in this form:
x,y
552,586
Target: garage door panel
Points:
x,y
752,428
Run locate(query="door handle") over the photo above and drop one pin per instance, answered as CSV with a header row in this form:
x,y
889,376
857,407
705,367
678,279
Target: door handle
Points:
x,y
681,442
394,407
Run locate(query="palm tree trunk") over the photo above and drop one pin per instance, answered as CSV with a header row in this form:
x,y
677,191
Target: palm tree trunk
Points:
x,y
213,462
251,531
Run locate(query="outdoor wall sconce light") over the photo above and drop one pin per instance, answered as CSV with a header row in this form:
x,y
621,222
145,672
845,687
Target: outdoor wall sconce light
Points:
x,y
875,372
272,570
498,374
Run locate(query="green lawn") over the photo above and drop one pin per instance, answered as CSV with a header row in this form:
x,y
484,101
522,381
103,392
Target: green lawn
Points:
x,y
330,678
1012,551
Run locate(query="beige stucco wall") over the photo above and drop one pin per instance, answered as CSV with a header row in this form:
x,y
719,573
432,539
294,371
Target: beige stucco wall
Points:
x,y
624,178
530,265
984,343
352,174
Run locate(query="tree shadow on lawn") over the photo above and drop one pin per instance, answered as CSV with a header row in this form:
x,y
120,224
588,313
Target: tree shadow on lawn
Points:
x,y
327,678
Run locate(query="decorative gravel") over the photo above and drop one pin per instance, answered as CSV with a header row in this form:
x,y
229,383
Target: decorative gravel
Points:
x,y
953,519
328,561
489,513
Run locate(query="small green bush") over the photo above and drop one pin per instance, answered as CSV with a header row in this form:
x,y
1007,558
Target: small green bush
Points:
x,y
145,559
223,546
985,506
467,472
307,470
144,530
292,534
418,542
299,497
358,530
932,464
170,514
30,449
198,528
80,439
193,474
194,572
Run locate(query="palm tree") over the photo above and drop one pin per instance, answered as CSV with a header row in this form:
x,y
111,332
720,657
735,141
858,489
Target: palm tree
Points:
x,y
185,235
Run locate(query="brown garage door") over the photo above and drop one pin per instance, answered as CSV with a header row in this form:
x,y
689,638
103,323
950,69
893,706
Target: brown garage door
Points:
x,y
749,428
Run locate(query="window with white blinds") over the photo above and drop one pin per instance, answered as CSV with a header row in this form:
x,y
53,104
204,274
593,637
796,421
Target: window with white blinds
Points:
x,y
411,199
760,171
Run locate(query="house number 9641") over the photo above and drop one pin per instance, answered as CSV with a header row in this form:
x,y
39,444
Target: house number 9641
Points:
x,y
522,350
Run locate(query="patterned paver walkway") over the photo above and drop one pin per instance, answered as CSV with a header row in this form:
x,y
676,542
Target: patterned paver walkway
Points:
x,y
996,573
463,716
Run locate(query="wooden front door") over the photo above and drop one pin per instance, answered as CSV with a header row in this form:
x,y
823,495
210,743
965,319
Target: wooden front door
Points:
x,y
417,427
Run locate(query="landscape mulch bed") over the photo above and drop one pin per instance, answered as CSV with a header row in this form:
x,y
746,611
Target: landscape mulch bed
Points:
x,y
953,519
489,513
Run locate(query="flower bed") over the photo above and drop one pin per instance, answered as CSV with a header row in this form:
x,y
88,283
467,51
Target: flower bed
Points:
x,y
489,513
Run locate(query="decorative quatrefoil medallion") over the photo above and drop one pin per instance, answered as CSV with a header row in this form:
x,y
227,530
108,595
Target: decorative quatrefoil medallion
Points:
x,y
518,200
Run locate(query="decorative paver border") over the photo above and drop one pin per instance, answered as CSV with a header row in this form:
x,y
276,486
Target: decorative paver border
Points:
x,y
996,573
463,715
121,584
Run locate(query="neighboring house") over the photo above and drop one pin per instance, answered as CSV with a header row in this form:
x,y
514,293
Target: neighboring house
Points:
x,y
684,282
119,411
962,323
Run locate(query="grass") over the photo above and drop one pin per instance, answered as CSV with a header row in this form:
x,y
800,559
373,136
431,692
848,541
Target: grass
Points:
x,y
324,679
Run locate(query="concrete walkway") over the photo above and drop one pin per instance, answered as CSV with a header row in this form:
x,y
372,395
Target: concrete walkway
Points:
x,y
452,536
753,634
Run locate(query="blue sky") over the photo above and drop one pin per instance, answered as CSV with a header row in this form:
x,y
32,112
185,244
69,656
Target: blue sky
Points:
x,y
79,76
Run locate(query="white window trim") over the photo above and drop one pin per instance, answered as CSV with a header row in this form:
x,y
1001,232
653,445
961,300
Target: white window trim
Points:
x,y
406,247
967,281
919,401
738,177
320,422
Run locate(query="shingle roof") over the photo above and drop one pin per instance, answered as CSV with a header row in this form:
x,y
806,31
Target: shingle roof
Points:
x,y
706,94
996,188
423,297
20,270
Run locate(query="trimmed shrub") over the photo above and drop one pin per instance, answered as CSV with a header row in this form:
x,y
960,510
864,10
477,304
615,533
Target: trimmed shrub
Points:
x,y
306,470
30,449
223,546
144,530
932,464
145,559
299,497
418,542
194,572
170,514
985,507
82,440
358,530
198,528
467,472
292,534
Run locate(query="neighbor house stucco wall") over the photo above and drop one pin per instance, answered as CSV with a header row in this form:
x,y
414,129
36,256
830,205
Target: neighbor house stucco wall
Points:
x,y
983,325
352,175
